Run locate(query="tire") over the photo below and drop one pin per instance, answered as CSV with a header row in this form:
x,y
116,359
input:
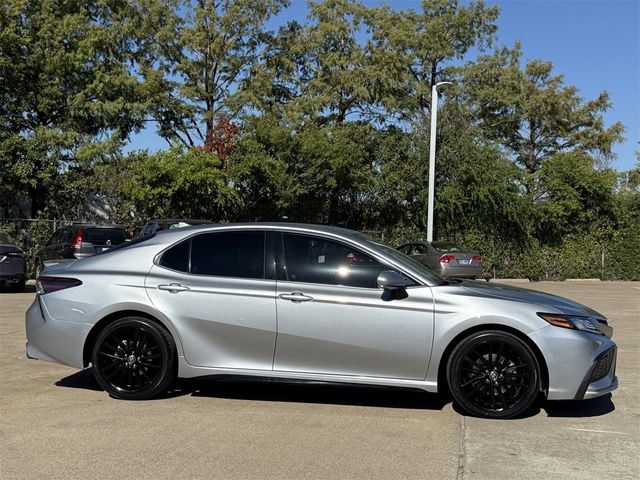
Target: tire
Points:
x,y
493,374
134,359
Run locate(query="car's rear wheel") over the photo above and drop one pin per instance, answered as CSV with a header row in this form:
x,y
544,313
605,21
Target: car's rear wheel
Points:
x,y
493,374
134,359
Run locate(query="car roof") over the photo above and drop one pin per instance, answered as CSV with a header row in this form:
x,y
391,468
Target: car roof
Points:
x,y
185,220
303,227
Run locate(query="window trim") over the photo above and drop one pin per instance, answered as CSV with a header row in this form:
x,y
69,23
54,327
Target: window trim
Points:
x,y
281,260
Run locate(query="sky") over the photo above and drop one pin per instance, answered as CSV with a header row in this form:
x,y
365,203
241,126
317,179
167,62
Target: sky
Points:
x,y
595,44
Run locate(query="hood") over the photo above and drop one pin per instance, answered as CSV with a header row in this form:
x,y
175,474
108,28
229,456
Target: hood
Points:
x,y
555,303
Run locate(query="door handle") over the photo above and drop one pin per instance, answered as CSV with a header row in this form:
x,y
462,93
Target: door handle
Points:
x,y
173,287
295,297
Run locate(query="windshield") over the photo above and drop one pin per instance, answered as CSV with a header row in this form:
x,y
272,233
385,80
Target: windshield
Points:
x,y
5,238
414,264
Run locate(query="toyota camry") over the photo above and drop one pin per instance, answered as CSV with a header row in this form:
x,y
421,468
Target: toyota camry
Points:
x,y
311,303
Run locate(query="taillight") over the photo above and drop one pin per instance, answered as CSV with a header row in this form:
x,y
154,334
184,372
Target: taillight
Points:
x,y
447,258
77,241
54,284
477,258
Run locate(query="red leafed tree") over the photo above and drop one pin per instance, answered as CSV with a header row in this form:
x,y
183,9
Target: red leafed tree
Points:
x,y
220,139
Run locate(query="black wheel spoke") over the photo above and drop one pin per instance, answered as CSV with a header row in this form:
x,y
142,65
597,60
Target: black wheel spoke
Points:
x,y
150,365
469,382
130,358
481,359
150,357
494,375
516,366
110,356
502,399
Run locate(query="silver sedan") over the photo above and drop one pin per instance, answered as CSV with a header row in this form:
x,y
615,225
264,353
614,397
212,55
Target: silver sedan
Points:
x,y
313,303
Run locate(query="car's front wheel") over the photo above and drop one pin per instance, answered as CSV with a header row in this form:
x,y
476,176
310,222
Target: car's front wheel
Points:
x,y
134,359
493,374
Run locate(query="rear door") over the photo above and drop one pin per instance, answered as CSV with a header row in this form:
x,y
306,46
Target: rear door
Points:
x,y
332,318
217,290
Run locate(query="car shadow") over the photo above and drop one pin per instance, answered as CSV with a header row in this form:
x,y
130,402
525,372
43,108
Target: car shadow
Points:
x,y
276,391
594,407
83,379
337,394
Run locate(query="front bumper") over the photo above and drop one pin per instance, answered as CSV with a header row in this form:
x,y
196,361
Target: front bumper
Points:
x,y
580,365
54,340
601,377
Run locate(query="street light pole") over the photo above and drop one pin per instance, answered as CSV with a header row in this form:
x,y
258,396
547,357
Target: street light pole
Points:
x,y
432,156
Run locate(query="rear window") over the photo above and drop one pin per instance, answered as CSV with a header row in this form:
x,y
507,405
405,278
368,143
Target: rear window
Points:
x,y
446,247
105,236
5,238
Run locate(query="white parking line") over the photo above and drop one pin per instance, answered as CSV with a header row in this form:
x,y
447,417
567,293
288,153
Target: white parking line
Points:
x,y
596,431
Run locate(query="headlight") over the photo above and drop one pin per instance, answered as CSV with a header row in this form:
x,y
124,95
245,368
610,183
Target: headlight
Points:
x,y
573,322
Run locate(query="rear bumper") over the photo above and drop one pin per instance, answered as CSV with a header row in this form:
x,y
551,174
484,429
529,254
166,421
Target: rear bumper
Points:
x,y
461,271
56,341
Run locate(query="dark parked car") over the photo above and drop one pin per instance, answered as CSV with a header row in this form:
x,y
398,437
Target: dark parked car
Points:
x,y
78,241
12,264
154,226
445,258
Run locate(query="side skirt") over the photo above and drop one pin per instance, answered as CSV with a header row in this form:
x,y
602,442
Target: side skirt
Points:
x,y
189,371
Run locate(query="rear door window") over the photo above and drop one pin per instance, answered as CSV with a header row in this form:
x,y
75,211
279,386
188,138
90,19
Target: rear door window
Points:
x,y
238,254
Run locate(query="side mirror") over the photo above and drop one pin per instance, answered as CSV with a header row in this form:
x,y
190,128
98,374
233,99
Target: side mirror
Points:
x,y
391,280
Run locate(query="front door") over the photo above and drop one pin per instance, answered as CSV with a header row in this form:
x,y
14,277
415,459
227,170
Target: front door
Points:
x,y
332,318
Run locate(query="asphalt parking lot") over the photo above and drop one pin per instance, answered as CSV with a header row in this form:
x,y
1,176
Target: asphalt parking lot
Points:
x,y
56,423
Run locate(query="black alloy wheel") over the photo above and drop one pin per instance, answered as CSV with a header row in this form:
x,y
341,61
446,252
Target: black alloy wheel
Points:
x,y
134,359
493,374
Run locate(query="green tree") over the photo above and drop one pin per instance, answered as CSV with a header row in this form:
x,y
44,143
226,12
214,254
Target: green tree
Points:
x,y
319,70
67,94
197,59
532,113
415,49
575,198
311,173
183,183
